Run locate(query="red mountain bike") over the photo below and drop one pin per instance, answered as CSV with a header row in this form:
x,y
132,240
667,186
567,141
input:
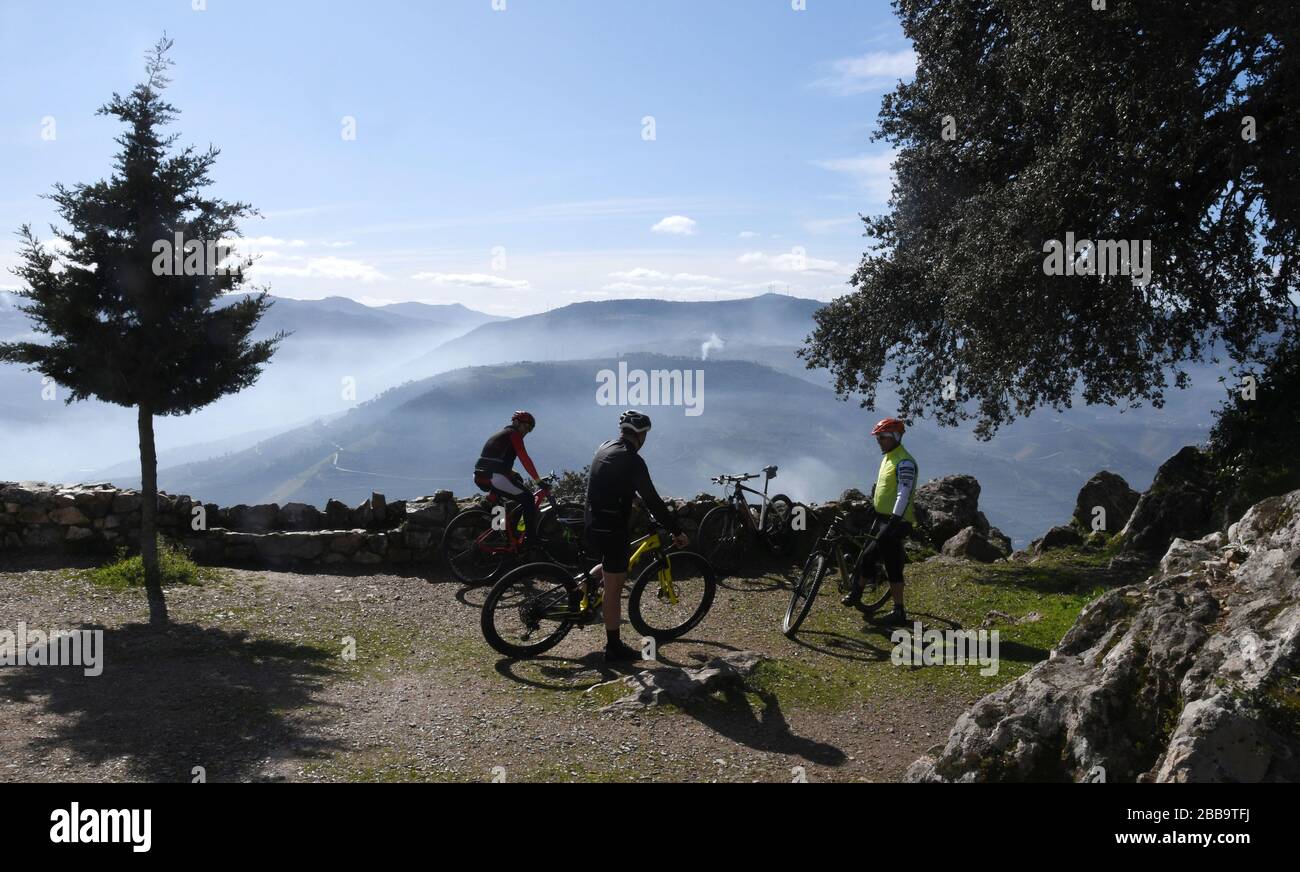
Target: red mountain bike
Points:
x,y
480,544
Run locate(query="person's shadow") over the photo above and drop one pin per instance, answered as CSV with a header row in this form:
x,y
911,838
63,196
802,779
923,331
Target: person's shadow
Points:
x,y
169,700
728,712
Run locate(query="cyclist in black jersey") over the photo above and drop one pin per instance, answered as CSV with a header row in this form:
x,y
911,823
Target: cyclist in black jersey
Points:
x,y
618,473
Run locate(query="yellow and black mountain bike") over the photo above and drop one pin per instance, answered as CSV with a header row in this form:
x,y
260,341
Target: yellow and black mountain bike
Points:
x,y
533,607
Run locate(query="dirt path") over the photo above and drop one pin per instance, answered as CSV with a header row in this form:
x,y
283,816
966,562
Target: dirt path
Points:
x,y
251,683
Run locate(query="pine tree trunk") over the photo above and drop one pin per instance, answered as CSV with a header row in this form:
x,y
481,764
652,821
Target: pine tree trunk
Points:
x,y
148,519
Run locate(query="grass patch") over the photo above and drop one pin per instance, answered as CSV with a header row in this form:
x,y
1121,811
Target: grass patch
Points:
x,y
174,566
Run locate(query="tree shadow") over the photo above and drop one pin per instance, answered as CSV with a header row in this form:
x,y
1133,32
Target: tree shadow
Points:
x,y
174,698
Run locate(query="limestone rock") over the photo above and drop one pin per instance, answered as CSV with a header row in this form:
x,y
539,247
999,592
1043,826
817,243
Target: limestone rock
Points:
x,y
971,544
1109,492
1188,676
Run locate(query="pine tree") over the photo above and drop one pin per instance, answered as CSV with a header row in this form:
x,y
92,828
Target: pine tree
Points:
x,y
130,321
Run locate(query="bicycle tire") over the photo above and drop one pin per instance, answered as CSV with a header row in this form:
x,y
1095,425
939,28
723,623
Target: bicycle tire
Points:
x,y
720,539
776,534
560,539
684,565
564,585
463,552
804,593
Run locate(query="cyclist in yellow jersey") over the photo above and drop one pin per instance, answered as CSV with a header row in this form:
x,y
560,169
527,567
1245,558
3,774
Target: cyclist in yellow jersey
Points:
x,y
892,499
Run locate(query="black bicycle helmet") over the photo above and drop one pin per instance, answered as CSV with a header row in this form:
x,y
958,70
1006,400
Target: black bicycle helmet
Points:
x,y
633,421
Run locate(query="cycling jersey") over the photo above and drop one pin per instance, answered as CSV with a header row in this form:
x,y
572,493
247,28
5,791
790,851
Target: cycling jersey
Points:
x,y
895,483
499,453
617,474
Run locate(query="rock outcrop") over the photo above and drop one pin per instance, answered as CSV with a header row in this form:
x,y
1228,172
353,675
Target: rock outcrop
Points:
x,y
1062,536
1188,676
679,684
946,506
971,544
1110,493
1179,504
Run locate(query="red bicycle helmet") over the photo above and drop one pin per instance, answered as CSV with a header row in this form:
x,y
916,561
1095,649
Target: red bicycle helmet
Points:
x,y
889,425
522,417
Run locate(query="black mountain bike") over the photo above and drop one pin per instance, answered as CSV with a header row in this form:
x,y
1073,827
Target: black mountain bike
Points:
x,y
726,529
853,556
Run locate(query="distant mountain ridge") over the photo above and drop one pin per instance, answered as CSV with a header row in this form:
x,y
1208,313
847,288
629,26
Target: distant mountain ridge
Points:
x,y
753,328
425,435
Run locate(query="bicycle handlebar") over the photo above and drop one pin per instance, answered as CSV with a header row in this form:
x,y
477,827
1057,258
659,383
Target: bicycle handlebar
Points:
x,y
726,479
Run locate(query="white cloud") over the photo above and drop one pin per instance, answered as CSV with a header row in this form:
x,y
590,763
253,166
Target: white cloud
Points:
x,y
265,242
791,261
641,272
625,290
472,280
678,225
872,71
873,173
325,268
747,234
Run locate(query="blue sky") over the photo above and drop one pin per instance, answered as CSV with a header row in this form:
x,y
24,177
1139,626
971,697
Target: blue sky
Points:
x,y
500,157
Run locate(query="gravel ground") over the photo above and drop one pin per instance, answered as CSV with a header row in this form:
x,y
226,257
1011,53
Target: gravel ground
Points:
x,y
251,682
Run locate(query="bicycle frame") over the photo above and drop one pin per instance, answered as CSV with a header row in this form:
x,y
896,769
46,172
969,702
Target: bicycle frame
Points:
x,y
514,539
651,542
837,543
738,500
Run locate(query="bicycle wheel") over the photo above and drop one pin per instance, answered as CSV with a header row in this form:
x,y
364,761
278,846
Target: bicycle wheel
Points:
x,y
530,610
720,539
875,592
671,595
801,599
562,531
776,524
474,551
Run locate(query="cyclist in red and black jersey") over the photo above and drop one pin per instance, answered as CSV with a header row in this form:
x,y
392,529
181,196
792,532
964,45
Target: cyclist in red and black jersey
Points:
x,y
495,470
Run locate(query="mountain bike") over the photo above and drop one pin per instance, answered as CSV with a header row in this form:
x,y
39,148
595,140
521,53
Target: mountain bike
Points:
x,y
481,543
725,528
533,607
853,556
